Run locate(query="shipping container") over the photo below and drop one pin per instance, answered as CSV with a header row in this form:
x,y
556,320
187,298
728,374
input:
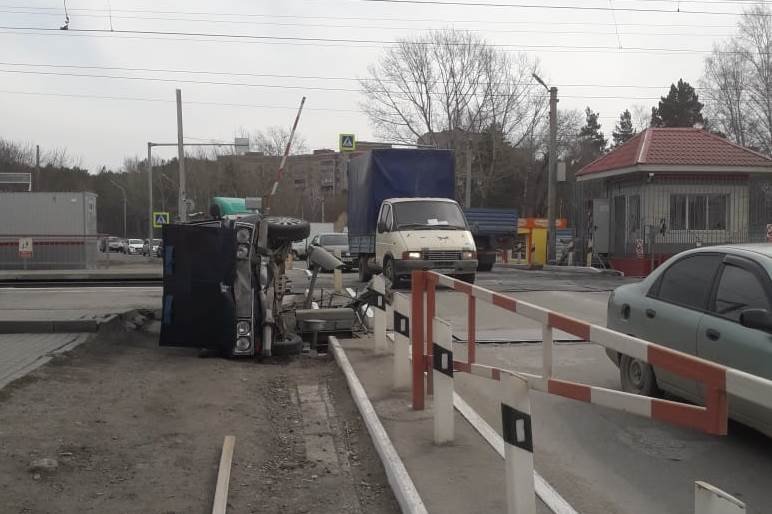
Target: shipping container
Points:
x,y
62,228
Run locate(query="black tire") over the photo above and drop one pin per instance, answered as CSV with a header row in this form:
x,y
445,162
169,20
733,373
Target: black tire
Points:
x,y
390,272
286,229
365,275
637,377
468,278
484,266
291,346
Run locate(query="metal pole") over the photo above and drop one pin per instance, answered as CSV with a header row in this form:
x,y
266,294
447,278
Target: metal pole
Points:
x,y
552,178
149,195
182,207
267,206
37,168
468,187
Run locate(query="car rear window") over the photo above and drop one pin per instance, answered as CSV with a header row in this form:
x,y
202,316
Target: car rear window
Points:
x,y
688,281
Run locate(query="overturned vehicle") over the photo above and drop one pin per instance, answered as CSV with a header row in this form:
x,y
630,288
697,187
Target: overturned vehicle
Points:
x,y
226,290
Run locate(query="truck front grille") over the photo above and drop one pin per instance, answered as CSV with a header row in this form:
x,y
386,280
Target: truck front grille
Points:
x,y
441,255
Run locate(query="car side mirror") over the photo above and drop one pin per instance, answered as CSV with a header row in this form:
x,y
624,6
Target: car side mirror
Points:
x,y
760,319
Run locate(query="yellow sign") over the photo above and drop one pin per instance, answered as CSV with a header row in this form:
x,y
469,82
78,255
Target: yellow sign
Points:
x,y
347,142
160,219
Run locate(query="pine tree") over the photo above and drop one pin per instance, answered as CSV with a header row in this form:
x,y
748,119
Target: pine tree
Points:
x,y
680,108
624,128
591,139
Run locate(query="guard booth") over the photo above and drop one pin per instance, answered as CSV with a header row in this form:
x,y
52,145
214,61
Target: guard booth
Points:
x,y
534,230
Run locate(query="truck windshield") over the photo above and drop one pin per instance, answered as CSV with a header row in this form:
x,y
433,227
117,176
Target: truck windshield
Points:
x,y
334,239
429,215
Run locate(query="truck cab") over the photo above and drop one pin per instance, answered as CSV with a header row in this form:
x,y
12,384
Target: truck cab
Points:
x,y
423,233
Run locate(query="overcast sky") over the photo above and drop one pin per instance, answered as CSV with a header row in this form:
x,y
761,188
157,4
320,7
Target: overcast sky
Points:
x,y
40,105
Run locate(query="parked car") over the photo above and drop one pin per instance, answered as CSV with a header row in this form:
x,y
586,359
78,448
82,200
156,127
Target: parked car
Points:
x,y
712,302
133,246
335,243
300,248
114,244
150,248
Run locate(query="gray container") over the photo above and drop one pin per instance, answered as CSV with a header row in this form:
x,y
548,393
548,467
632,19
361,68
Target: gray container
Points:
x,y
62,226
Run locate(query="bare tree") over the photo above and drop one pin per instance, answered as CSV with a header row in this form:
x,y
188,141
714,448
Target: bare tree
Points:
x,y
737,81
451,82
641,115
273,141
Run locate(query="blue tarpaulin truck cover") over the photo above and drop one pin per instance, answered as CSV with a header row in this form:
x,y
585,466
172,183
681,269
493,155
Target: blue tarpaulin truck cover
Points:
x,y
405,173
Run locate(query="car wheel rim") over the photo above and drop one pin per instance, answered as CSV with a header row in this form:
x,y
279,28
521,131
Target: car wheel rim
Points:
x,y
635,374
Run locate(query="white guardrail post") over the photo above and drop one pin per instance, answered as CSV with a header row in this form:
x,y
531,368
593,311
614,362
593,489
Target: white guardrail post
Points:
x,y
442,380
379,314
712,500
518,444
546,348
402,370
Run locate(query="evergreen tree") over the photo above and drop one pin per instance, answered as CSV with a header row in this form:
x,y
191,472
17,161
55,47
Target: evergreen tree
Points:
x,y
624,128
591,139
680,108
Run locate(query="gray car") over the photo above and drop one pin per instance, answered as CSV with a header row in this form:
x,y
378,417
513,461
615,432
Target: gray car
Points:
x,y
713,302
337,244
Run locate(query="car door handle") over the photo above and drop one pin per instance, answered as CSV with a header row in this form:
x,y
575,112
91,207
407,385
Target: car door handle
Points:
x,y
650,313
712,334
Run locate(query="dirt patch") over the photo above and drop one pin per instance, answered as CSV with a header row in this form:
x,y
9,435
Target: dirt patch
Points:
x,y
137,428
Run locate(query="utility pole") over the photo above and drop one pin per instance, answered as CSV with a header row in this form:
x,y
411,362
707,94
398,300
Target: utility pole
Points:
x,y
150,194
182,206
552,172
468,188
123,190
37,168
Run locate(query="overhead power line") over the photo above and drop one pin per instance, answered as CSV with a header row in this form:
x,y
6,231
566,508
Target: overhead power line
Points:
x,y
356,42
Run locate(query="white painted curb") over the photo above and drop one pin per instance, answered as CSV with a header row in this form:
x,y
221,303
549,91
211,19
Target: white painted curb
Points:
x,y
544,490
399,479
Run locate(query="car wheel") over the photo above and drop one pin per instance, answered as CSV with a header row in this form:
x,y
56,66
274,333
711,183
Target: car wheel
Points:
x,y
637,377
286,229
390,272
292,346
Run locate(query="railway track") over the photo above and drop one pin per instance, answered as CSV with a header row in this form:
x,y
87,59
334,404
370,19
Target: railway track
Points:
x,y
26,283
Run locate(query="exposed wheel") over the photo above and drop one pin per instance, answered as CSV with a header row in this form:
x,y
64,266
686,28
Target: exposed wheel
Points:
x,y
637,377
292,346
365,275
286,229
390,272
484,266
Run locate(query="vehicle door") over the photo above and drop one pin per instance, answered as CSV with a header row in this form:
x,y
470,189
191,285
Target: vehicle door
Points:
x,y
199,270
385,238
743,284
674,307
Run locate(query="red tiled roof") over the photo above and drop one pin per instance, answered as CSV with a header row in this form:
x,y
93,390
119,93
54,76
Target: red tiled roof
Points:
x,y
677,147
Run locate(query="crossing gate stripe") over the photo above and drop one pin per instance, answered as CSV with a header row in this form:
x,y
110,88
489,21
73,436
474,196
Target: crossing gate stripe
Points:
x,y
463,287
533,312
690,416
627,345
483,294
445,280
569,390
572,326
462,367
687,366
619,400
505,302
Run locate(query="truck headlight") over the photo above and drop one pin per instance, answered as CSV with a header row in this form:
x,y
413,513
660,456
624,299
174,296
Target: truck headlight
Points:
x,y
243,344
243,235
243,328
411,255
242,252
468,254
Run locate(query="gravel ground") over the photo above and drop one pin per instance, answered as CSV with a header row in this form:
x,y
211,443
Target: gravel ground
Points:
x,y
128,427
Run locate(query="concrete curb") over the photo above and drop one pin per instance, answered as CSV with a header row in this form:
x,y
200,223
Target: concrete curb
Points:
x,y
48,326
401,484
544,490
561,269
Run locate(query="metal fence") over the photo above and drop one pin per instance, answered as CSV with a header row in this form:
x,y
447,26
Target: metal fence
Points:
x,y
49,252
664,215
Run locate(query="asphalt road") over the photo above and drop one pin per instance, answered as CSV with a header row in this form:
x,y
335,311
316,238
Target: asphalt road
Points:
x,y
599,459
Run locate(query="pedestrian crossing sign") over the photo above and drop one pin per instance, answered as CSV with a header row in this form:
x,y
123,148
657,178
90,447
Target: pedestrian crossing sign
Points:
x,y
160,219
347,142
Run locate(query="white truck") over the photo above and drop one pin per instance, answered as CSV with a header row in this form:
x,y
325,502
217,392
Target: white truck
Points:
x,y
402,216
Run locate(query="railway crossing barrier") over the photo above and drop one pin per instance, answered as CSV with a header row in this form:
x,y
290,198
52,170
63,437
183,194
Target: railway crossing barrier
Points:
x,y
424,339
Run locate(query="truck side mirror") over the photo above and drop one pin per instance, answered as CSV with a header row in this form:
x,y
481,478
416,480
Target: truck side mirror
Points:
x,y
381,226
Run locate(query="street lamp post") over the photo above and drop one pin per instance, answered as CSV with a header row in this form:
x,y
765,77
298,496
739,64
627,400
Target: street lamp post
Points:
x,y
123,190
553,170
